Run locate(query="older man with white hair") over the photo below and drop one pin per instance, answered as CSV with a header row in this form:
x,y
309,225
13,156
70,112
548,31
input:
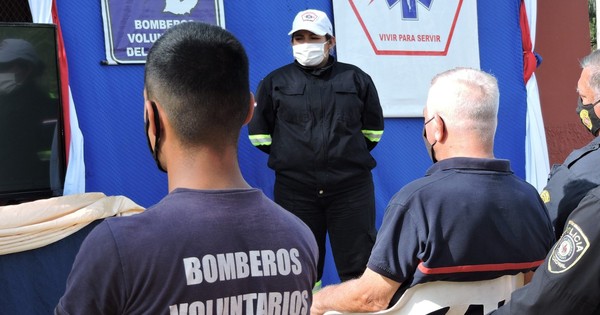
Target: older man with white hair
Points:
x,y
570,181
470,218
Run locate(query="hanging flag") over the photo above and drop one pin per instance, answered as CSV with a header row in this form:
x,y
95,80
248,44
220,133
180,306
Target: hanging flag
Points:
x,y
402,44
537,162
131,26
44,11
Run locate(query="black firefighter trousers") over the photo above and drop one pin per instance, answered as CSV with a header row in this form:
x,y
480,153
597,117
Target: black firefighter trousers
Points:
x,y
347,214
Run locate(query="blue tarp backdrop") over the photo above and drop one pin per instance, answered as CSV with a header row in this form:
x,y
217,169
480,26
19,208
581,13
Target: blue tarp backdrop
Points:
x,y
109,100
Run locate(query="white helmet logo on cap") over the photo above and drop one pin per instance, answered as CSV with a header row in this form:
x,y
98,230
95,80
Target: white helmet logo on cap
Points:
x,y
309,16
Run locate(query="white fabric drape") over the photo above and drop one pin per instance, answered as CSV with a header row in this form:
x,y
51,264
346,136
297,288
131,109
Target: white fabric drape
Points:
x,y
75,177
38,223
537,165
41,12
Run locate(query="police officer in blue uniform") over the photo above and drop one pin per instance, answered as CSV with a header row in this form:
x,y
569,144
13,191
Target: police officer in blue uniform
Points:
x,y
567,282
570,181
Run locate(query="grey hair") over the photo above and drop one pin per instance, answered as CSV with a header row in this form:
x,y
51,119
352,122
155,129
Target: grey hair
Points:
x,y
466,99
592,62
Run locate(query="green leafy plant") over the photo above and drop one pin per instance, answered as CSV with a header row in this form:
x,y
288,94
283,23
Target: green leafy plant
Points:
x,y
592,16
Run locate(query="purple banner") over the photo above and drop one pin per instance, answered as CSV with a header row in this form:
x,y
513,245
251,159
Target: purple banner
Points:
x,y
132,26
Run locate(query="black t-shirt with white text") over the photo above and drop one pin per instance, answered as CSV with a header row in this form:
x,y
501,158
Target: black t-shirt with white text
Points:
x,y
196,252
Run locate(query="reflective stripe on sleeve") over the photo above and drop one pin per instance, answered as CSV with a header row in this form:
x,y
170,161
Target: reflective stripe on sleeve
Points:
x,y
257,140
373,135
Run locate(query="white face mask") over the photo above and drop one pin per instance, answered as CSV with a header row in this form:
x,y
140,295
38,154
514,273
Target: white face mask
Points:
x,y
309,55
7,83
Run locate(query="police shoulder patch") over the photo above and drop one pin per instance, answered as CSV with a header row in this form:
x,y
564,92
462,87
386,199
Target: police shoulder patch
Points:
x,y
569,249
545,195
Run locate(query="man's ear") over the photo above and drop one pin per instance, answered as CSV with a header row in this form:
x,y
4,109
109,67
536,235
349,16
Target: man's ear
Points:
x,y
149,115
250,109
440,129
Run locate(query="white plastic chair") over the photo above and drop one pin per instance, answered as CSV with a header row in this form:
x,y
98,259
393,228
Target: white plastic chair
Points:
x,y
429,297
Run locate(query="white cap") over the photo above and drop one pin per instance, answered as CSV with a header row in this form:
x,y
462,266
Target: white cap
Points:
x,y
314,21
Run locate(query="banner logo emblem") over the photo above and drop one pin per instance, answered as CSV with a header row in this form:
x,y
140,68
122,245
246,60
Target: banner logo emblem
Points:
x,y
408,27
180,7
409,7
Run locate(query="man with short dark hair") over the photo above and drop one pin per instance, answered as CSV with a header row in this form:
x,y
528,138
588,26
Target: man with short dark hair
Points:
x,y
214,244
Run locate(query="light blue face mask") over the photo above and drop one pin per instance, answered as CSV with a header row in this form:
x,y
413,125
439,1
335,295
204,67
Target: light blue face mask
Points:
x,y
7,83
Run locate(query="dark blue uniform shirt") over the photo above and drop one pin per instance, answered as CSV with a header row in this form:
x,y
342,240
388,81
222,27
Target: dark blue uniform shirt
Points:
x,y
567,282
467,219
570,181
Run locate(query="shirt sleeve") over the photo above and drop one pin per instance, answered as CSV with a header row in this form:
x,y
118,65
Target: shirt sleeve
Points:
x,y
395,252
567,281
260,128
372,119
95,284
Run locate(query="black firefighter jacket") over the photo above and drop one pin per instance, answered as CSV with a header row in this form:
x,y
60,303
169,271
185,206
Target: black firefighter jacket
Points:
x,y
318,125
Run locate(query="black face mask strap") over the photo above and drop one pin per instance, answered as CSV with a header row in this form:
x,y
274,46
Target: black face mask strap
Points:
x,y
157,138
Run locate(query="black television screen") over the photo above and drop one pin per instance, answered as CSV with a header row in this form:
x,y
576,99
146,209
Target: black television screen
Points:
x,y
32,155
